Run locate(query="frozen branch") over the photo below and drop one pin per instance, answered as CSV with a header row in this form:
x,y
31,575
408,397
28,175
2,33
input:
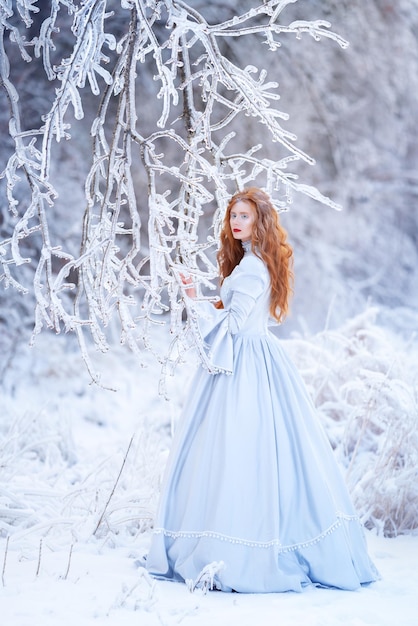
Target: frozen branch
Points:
x,y
193,158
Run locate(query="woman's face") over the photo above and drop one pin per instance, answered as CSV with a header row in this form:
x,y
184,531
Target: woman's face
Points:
x,y
241,220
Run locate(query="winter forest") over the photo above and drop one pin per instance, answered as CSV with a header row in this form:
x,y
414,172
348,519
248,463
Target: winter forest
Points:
x,y
125,128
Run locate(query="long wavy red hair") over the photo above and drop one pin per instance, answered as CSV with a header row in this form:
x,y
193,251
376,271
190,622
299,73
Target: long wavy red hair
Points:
x,y
268,241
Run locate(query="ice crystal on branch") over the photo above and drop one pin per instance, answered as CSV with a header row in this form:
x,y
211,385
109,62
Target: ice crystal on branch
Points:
x,y
193,154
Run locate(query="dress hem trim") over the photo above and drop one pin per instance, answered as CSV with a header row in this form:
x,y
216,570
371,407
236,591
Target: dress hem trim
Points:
x,y
341,517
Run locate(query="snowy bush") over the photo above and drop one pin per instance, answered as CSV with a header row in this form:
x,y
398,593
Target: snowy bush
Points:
x,y
365,385
45,490
87,465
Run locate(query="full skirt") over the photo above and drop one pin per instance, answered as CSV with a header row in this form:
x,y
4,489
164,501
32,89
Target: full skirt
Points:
x,y
252,483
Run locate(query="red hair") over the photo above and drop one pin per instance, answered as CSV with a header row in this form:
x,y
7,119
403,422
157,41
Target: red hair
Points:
x,y
268,242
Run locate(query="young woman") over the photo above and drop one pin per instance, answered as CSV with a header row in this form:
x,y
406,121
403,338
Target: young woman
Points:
x,y
252,489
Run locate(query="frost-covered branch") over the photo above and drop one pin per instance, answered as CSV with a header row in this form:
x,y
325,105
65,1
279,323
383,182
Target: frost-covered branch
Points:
x,y
191,154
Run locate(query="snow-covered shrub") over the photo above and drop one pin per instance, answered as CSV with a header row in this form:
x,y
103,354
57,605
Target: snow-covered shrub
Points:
x,y
46,491
365,385
88,463
35,450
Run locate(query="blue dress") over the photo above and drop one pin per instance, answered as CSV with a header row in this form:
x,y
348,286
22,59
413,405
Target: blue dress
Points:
x,y
251,482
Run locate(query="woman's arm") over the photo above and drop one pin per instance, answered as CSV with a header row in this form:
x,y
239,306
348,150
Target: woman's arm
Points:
x,y
216,327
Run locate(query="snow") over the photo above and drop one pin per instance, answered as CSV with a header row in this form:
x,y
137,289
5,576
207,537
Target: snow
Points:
x,y
104,586
75,456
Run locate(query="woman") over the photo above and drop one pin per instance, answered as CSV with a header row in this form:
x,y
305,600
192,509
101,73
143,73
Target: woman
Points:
x,y
252,493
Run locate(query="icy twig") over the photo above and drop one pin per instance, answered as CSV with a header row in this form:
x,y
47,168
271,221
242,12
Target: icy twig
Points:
x,y
114,487
6,549
67,571
206,578
38,568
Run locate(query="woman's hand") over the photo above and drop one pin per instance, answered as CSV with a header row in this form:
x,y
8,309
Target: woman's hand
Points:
x,y
189,286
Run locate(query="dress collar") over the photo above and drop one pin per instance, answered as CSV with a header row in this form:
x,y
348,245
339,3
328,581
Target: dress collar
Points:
x,y
246,245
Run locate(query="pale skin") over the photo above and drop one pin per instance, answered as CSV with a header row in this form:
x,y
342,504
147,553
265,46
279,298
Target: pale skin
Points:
x,y
241,221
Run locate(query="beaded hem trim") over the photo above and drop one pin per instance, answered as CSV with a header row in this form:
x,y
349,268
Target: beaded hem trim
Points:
x,y
259,544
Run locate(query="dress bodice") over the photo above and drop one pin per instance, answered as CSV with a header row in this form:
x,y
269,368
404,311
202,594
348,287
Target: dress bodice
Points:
x,y
248,286
246,298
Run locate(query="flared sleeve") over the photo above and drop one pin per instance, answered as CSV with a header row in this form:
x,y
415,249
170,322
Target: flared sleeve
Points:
x,y
216,327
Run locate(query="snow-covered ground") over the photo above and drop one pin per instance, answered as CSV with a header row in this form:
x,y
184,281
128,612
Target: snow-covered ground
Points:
x,y
105,587
79,474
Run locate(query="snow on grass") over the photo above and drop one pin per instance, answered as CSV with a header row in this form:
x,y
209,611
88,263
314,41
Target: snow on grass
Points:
x,y
364,383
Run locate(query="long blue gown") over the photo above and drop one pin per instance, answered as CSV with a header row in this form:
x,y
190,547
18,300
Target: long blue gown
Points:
x,y
251,479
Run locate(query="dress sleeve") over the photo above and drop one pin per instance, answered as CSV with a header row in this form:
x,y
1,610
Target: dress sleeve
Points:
x,y
216,327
